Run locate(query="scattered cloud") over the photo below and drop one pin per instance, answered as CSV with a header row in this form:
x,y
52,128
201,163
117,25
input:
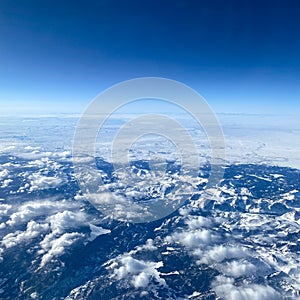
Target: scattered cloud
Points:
x,y
41,182
33,230
54,247
3,174
139,272
227,289
219,253
31,209
237,268
193,239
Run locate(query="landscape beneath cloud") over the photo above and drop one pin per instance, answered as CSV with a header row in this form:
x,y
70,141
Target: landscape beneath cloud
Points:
x,y
238,240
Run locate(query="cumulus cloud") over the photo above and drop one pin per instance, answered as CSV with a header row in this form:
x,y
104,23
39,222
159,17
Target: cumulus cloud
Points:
x,y
33,230
5,178
62,221
41,182
55,242
219,253
4,209
6,183
139,272
52,248
192,239
227,290
31,209
3,174
148,246
237,268
37,153
58,222
198,222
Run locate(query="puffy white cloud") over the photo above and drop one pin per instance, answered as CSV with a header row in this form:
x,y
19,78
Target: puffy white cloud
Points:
x,y
237,268
3,174
54,247
141,280
33,230
6,183
227,290
219,253
59,218
192,239
139,272
55,242
148,246
55,218
41,182
196,222
31,209
4,209
6,148
62,221
37,153
130,266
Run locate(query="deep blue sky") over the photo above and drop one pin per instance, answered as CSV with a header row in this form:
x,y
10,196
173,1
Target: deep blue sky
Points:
x,y
242,56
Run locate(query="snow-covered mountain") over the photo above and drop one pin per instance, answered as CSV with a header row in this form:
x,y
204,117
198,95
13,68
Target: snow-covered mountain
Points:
x,y
238,240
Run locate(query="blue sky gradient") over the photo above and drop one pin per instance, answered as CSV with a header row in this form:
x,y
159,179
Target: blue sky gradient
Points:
x,y
242,56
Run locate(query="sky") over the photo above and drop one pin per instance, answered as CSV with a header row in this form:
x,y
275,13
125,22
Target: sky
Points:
x,y
242,56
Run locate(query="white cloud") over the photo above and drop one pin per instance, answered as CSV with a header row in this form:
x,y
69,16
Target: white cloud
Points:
x,y
62,221
54,217
56,247
148,246
227,290
1,252
237,268
4,209
6,183
33,230
54,243
31,209
3,174
41,182
198,222
130,266
192,239
141,280
220,252
139,272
